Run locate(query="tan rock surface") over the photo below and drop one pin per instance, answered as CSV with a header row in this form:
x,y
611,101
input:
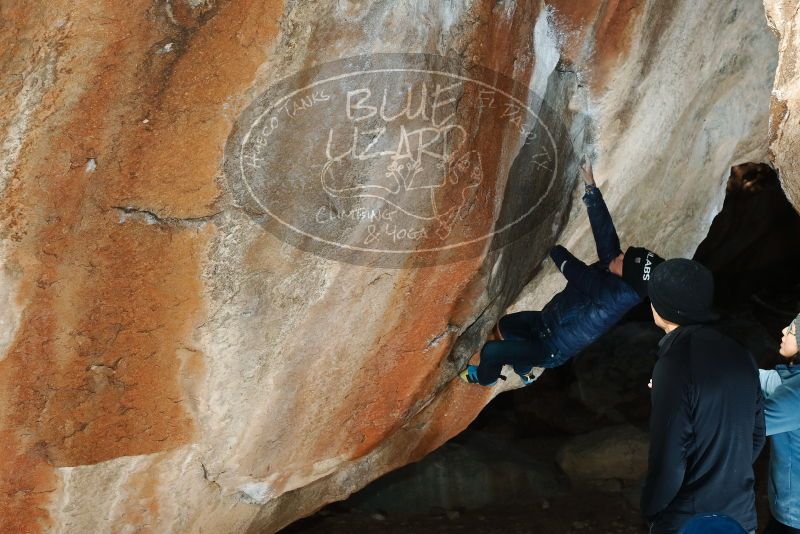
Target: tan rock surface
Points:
x,y
683,105
783,20
617,452
168,365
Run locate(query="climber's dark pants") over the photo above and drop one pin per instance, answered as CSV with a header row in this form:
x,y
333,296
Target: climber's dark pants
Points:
x,y
522,347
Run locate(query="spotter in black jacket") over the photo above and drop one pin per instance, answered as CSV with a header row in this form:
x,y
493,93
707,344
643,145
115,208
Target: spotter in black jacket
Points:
x,y
706,430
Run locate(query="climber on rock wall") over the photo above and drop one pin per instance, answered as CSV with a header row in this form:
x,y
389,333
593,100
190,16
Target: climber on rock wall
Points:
x,y
595,299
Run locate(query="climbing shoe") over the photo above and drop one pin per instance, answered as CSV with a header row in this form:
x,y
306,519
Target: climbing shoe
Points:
x,y
531,376
470,374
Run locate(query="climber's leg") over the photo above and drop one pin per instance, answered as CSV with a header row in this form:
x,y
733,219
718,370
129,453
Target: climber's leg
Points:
x,y
521,347
521,355
519,326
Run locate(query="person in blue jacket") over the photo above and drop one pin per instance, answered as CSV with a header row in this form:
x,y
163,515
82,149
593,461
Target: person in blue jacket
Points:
x,y
595,299
781,388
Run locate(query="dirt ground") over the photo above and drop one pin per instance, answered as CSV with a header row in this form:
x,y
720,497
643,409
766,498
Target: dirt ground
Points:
x,y
576,513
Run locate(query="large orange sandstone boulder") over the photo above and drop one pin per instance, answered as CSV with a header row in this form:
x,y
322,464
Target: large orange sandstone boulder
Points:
x,y
248,245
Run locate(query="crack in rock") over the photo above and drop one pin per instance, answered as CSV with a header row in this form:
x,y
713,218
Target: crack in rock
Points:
x,y
209,478
149,217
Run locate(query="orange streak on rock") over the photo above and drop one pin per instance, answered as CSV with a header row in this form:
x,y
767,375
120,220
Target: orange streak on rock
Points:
x,y
191,113
501,37
454,410
405,371
26,481
92,373
612,24
613,35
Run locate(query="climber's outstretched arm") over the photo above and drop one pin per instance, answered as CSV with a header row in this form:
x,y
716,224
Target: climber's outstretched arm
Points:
x,y
605,235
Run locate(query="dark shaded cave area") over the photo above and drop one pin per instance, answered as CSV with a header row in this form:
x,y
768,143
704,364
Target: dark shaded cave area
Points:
x,y
568,454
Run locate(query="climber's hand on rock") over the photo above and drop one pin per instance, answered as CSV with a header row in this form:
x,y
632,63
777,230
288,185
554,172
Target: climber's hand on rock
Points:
x,y
586,172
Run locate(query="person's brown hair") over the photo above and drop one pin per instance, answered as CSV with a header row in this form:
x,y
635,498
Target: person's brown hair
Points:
x,y
750,178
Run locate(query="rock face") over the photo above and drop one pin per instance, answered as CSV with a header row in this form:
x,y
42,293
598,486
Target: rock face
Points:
x,y
672,109
472,473
617,453
237,286
783,134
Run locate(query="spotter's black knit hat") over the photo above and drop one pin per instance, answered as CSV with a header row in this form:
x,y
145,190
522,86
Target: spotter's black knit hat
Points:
x,y
682,292
637,267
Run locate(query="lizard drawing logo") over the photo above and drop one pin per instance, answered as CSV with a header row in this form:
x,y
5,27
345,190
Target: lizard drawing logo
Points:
x,y
443,201
398,160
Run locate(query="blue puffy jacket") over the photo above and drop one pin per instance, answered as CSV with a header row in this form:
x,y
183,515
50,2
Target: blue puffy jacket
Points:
x,y
595,299
781,388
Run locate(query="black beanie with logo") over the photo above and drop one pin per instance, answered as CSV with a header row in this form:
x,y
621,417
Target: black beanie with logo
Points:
x,y
637,267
